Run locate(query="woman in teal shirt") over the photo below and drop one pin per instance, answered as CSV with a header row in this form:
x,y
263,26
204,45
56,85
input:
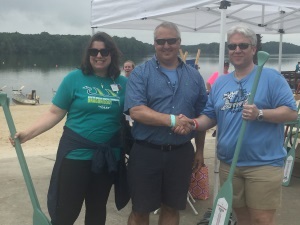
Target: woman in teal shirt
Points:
x,y
92,97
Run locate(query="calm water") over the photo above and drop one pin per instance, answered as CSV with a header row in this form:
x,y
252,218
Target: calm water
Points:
x,y
47,75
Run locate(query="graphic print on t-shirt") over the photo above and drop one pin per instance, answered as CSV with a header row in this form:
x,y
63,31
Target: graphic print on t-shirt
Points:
x,y
234,100
104,98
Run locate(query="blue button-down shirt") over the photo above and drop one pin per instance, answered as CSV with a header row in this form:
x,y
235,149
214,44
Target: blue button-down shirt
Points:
x,y
149,86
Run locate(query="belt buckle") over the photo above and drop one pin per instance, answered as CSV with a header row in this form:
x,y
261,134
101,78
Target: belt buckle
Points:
x,y
166,148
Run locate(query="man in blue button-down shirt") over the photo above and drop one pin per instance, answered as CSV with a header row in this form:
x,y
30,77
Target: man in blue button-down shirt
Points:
x,y
161,161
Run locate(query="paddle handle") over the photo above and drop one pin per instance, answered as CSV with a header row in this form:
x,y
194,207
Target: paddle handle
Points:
x,y
197,57
33,197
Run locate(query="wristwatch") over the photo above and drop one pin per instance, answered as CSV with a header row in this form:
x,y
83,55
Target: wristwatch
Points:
x,y
260,116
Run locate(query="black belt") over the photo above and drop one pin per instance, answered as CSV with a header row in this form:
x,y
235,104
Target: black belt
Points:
x,y
164,148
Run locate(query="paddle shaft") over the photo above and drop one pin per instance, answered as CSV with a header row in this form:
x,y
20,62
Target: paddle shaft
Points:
x,y
244,123
5,105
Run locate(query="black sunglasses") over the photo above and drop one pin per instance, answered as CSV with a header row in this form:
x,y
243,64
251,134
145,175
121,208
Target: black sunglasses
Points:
x,y
94,52
170,41
242,46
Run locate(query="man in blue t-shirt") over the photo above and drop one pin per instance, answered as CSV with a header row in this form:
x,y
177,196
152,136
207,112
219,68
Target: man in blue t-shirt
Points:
x,y
258,176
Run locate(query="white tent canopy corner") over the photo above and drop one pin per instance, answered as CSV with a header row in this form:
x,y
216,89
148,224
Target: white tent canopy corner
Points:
x,y
206,16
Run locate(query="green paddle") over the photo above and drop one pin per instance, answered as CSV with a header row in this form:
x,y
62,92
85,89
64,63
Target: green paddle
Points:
x,y
39,217
223,202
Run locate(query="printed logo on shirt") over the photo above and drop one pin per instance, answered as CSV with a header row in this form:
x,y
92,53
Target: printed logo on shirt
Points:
x,y
104,100
234,100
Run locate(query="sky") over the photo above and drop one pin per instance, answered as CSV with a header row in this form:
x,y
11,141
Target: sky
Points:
x,y
73,17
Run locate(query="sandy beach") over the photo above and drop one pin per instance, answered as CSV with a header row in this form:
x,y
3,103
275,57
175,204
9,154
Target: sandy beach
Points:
x,y
44,144
23,117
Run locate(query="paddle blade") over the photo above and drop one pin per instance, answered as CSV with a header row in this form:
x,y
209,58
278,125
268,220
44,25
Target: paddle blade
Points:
x,y
288,167
39,218
222,205
262,58
290,139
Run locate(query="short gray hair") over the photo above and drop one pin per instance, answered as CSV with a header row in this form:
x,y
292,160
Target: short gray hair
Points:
x,y
169,25
244,30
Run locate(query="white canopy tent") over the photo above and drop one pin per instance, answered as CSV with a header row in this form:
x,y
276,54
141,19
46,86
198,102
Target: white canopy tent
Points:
x,y
205,16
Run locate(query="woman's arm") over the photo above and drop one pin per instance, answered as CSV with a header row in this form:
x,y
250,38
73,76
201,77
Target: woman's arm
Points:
x,y
48,120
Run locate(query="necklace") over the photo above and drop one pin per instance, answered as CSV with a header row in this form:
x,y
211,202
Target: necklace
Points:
x,y
104,81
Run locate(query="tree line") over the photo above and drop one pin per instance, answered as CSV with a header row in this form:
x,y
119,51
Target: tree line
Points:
x,y
45,43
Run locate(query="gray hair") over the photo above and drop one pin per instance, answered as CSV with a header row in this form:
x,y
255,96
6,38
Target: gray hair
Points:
x,y
168,25
244,30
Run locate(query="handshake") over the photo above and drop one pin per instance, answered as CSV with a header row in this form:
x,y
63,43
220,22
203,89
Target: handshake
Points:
x,y
183,125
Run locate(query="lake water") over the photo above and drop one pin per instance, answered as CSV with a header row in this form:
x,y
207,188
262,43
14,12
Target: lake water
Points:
x,y
45,77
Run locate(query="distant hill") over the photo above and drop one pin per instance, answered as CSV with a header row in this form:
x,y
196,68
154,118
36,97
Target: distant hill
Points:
x,y
287,48
44,43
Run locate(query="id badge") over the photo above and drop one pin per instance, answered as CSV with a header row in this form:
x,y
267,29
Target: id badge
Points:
x,y
114,87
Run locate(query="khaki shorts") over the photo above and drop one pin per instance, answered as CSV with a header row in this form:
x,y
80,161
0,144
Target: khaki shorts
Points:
x,y
256,187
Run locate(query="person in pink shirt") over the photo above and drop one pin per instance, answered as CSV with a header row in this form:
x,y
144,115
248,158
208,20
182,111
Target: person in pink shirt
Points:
x,y
215,75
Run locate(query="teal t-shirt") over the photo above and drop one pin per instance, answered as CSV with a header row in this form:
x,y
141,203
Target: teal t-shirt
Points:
x,y
94,104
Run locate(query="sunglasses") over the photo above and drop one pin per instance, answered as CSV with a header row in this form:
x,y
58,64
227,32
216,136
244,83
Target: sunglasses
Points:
x,y
170,41
94,52
242,46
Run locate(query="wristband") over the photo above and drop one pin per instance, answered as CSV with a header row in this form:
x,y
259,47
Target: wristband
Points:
x,y
196,124
173,120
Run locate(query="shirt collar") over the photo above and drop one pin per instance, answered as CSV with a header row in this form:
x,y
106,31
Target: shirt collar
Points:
x,y
180,64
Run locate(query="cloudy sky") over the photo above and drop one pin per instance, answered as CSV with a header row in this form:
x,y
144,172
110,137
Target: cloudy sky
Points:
x,y
73,17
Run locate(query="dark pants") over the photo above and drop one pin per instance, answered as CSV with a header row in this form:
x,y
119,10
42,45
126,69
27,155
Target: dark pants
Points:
x,y
157,176
78,184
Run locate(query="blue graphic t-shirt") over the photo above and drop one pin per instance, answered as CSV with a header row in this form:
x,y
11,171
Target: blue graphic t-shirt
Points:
x,y
263,141
94,104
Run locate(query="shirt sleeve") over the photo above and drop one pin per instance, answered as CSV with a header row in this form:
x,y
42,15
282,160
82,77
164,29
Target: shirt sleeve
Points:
x,y
64,94
136,89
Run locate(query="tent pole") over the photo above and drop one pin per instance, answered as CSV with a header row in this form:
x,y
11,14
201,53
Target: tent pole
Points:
x,y
222,41
281,32
223,7
280,52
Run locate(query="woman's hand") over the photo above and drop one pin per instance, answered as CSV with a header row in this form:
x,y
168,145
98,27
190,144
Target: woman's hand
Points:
x,y
20,135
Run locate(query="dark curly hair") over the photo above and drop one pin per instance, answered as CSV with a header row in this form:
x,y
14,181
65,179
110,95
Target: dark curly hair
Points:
x,y
113,69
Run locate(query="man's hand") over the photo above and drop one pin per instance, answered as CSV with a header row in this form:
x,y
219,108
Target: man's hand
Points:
x,y
184,125
250,112
198,161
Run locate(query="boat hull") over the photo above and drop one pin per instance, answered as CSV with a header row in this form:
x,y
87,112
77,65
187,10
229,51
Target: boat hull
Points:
x,y
24,102
19,98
